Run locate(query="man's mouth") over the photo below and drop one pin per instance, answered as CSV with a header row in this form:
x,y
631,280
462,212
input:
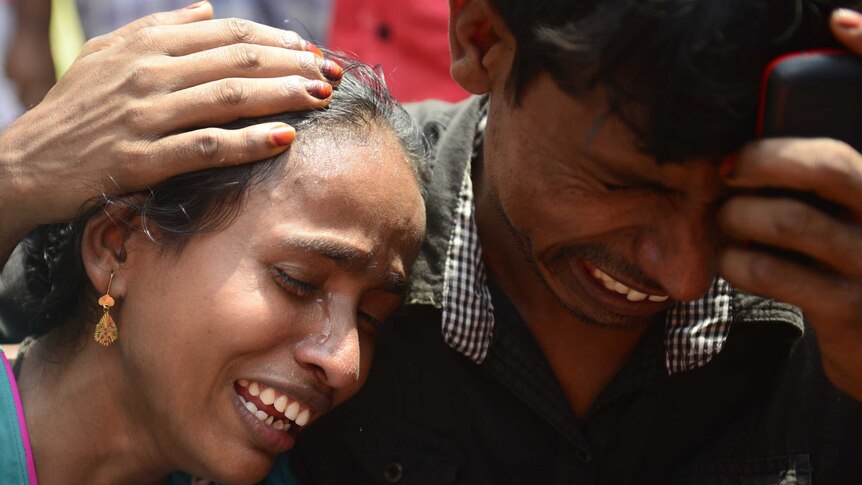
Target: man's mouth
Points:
x,y
271,406
620,288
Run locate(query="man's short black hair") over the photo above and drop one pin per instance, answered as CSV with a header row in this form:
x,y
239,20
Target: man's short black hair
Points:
x,y
683,74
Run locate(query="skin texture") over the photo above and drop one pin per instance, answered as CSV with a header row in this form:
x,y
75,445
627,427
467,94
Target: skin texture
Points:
x,y
289,295
127,114
586,194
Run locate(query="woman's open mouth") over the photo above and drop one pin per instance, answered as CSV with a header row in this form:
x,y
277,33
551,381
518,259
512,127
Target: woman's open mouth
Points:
x,y
272,415
272,407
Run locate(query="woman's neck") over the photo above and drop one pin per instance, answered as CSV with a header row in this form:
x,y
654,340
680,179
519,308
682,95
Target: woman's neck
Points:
x,y
80,415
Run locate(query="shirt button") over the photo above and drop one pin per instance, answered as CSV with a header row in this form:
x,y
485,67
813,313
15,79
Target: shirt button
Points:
x,y
393,472
384,32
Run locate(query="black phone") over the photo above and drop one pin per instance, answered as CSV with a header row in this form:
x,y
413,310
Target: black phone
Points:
x,y
810,94
813,94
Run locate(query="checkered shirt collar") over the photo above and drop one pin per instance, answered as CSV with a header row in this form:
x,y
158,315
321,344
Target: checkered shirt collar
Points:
x,y
694,331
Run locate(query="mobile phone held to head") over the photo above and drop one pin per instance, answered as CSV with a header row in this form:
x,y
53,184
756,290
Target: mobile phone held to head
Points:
x,y
813,94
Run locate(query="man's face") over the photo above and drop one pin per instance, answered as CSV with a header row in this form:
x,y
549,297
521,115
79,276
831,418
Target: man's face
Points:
x,y
614,236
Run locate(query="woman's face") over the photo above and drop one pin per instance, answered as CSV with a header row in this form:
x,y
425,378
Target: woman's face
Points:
x,y
276,313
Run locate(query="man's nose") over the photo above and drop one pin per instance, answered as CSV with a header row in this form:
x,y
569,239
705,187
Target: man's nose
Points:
x,y
679,250
333,351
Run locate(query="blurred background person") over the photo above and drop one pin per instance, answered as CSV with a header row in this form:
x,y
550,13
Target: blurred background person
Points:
x,y
10,108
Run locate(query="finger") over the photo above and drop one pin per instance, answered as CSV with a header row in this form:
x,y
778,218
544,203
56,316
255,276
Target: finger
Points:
x,y
795,226
822,295
829,168
847,26
180,40
226,100
244,60
195,12
212,147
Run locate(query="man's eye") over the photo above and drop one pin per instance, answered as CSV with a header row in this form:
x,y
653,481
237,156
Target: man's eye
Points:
x,y
300,288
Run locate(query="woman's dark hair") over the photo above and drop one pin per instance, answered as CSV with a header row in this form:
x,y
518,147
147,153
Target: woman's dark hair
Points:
x,y
683,74
208,200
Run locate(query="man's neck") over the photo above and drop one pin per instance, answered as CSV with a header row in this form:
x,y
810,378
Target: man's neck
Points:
x,y
583,357
78,418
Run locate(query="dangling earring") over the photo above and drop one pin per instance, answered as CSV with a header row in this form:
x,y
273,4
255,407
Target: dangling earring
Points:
x,y
106,329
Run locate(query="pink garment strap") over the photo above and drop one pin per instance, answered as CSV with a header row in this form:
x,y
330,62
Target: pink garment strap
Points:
x,y
25,436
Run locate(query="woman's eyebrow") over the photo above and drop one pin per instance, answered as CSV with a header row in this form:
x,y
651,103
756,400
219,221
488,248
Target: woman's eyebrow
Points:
x,y
339,251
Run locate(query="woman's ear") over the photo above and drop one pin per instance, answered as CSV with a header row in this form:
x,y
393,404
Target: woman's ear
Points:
x,y
103,247
481,45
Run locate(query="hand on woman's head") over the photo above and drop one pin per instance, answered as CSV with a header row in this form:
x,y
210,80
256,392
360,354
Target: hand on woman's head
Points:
x,y
128,113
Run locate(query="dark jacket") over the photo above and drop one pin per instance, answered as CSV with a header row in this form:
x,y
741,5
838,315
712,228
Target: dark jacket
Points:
x,y
760,412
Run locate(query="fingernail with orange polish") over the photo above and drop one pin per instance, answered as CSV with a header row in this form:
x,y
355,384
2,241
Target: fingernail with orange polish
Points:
x,y
728,166
848,19
309,47
331,70
319,89
282,135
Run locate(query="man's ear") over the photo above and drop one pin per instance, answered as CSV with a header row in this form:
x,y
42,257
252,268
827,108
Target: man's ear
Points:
x,y
103,247
481,45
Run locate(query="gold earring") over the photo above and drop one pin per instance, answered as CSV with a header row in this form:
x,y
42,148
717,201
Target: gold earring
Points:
x,y
106,329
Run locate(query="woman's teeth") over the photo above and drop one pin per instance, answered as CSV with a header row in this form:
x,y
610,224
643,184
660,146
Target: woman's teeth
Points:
x,y
290,411
630,294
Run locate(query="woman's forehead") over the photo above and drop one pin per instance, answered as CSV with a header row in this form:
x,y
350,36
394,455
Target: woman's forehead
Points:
x,y
352,178
343,149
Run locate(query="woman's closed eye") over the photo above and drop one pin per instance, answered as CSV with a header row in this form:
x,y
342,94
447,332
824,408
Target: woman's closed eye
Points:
x,y
374,324
293,285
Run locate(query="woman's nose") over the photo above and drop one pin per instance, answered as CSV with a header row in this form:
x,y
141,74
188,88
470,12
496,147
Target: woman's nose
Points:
x,y
333,352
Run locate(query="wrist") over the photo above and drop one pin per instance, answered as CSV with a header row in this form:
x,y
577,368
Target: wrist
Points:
x,y
15,218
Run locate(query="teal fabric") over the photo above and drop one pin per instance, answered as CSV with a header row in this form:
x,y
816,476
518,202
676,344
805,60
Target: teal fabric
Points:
x,y
13,460
281,475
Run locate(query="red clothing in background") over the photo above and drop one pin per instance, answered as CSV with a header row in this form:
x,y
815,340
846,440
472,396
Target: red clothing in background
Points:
x,y
408,38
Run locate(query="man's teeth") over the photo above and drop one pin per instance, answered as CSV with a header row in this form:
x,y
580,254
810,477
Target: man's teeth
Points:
x,y
293,411
631,295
